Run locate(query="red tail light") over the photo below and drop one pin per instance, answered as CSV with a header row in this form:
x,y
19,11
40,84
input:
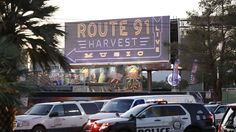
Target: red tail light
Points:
x,y
219,128
210,117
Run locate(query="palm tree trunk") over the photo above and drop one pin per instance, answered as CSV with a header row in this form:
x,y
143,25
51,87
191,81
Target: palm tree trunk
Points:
x,y
7,113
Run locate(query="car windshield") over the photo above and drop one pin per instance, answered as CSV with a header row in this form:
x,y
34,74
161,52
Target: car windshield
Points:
x,y
43,109
117,105
134,111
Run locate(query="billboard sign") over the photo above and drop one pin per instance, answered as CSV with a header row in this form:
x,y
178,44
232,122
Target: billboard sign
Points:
x,y
118,41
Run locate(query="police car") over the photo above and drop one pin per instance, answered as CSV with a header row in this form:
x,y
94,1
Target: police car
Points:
x,y
181,117
120,105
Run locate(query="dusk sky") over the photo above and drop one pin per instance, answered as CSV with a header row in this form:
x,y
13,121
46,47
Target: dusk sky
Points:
x,y
85,10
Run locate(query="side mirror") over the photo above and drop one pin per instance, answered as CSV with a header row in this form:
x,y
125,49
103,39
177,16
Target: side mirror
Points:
x,y
53,114
132,117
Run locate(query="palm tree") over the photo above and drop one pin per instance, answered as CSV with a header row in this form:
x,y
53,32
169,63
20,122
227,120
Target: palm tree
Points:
x,y
25,35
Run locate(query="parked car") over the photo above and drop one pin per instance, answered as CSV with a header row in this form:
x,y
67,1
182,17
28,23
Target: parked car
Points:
x,y
181,117
55,116
228,122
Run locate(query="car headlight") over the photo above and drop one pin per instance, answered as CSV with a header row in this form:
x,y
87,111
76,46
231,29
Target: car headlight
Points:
x,y
105,125
23,123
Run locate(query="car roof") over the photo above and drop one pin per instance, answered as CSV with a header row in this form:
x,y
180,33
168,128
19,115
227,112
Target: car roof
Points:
x,y
64,102
172,103
100,100
146,97
133,97
209,105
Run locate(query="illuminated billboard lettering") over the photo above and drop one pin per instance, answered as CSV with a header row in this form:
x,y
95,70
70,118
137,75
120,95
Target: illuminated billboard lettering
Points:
x,y
118,41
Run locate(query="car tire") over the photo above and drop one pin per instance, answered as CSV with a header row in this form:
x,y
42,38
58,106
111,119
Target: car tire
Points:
x,y
39,129
192,130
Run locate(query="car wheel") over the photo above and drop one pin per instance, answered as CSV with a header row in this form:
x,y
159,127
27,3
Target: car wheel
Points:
x,y
39,129
192,130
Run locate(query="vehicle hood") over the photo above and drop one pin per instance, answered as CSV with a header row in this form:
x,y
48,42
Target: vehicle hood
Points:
x,y
28,117
99,116
112,120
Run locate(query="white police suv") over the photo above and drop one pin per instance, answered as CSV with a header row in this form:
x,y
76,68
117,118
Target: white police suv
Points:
x,y
120,105
181,117
55,116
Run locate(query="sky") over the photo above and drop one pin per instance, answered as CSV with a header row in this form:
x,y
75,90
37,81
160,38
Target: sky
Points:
x,y
86,10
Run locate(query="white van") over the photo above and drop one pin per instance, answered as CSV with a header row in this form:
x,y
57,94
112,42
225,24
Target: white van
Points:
x,y
186,98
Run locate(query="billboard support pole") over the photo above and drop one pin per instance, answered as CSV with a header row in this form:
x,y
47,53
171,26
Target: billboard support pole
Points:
x,y
149,76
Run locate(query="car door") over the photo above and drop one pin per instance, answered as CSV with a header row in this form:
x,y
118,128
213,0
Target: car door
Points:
x,y
150,120
161,118
73,116
175,117
56,117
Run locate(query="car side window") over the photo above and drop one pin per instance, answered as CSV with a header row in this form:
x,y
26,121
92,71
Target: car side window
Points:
x,y
171,111
90,108
71,110
59,109
164,111
137,102
222,109
152,112
197,111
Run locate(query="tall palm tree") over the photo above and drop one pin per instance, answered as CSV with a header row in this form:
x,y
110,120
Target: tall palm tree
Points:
x,y
25,35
